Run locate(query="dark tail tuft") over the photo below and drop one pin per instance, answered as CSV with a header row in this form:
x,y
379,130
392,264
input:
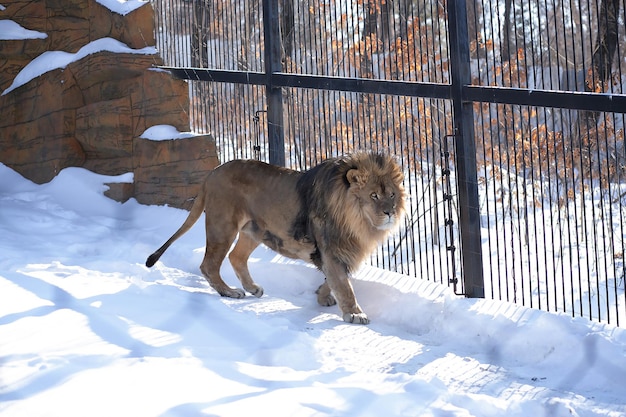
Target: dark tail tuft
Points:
x,y
152,259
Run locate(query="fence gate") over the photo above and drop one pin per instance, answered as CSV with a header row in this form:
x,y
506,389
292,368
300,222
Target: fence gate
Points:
x,y
509,128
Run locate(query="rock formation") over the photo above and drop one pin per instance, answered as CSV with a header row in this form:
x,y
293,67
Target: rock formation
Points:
x,y
95,96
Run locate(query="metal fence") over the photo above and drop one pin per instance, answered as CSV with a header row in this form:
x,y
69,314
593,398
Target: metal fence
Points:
x,y
507,117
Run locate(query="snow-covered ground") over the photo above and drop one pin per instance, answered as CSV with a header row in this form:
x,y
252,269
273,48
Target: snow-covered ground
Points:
x,y
87,329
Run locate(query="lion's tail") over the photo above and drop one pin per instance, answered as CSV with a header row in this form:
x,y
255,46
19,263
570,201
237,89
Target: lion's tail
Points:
x,y
194,214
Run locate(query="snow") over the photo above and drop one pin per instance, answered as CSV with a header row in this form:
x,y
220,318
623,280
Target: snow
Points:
x,y
10,30
165,132
122,7
87,329
52,60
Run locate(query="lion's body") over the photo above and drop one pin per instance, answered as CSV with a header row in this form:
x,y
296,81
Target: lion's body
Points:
x,y
333,215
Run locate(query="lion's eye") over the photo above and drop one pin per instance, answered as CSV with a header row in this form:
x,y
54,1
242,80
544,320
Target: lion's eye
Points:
x,y
374,196
392,195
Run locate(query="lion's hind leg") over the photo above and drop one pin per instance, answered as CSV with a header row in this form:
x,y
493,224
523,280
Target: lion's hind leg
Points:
x,y
239,260
219,239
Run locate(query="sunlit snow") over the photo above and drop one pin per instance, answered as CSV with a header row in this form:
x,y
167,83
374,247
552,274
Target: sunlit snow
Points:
x,y
87,329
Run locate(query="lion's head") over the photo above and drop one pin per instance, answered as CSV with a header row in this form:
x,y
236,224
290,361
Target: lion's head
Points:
x,y
376,187
349,205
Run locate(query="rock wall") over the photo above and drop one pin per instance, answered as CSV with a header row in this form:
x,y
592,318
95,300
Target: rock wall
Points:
x,y
92,111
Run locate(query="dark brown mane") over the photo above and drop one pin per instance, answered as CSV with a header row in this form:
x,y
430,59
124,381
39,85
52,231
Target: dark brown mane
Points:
x,y
323,191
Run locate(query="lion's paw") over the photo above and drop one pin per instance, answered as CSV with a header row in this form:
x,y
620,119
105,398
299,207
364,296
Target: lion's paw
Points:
x,y
233,293
326,301
257,291
356,318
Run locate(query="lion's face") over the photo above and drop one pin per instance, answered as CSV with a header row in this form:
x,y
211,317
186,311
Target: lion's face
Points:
x,y
378,189
380,204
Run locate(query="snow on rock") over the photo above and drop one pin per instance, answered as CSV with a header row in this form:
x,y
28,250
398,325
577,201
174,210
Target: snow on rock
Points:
x,y
122,7
165,132
87,329
52,60
10,30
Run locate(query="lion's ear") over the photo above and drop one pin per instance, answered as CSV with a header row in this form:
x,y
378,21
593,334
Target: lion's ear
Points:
x,y
357,177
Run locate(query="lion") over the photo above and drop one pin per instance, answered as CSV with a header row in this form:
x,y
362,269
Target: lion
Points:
x,y
333,215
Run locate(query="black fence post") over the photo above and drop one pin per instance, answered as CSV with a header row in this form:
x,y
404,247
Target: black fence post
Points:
x,y
465,149
273,94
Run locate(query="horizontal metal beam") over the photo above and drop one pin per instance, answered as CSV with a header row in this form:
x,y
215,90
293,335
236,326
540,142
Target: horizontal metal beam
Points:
x,y
318,82
364,85
575,100
219,76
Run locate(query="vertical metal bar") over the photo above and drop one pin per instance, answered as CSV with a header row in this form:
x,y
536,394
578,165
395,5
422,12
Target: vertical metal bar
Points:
x,y
465,148
274,95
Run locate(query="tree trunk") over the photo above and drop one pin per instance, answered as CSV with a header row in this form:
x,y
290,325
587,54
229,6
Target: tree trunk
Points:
x,y
606,44
473,11
369,33
505,48
200,34
287,28
404,10
599,74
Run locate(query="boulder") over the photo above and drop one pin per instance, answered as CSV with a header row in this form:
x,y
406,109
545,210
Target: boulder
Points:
x,y
92,113
172,171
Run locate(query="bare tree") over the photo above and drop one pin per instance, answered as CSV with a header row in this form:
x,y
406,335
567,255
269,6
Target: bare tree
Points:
x,y
287,28
200,34
598,74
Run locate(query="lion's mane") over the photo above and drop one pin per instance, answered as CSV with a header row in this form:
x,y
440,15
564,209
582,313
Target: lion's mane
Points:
x,y
326,195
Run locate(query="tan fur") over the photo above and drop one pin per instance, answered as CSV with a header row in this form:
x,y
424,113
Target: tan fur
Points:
x,y
333,215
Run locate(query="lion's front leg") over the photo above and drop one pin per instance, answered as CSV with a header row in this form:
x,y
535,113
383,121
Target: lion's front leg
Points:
x,y
338,281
